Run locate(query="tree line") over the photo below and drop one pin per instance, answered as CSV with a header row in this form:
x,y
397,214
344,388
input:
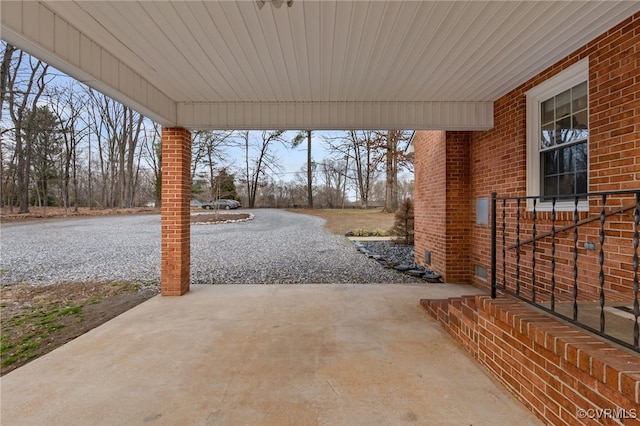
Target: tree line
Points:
x,y
64,144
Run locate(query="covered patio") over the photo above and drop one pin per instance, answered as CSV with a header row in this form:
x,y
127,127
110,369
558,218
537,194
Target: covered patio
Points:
x,y
324,354
265,355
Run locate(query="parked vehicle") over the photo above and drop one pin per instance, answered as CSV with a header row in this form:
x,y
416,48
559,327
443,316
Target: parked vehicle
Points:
x,y
221,204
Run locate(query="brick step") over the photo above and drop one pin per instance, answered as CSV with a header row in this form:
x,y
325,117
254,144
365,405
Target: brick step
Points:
x,y
436,307
443,309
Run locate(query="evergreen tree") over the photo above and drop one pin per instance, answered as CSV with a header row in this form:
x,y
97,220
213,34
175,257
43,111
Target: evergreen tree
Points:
x,y
227,185
403,226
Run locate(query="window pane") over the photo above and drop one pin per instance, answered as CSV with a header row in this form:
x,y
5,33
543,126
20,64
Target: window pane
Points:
x,y
580,126
567,160
566,184
580,152
550,163
547,110
548,135
551,185
579,94
581,182
563,130
563,104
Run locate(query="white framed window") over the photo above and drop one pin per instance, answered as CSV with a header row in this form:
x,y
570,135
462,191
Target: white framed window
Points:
x,y
558,138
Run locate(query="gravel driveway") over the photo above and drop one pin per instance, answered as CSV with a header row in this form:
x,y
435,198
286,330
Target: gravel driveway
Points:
x,y
275,247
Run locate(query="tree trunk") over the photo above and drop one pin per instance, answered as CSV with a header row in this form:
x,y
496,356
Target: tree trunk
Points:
x,y
23,193
391,181
131,171
4,83
247,175
309,172
122,148
22,118
75,180
89,177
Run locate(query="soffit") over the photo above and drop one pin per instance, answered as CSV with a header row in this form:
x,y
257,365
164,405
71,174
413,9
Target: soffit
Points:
x,y
224,53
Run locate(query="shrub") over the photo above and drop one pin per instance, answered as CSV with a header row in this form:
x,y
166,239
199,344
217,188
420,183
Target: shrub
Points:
x,y
403,225
367,233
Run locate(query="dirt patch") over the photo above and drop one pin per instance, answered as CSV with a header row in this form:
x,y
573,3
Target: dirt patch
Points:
x,y
37,319
44,213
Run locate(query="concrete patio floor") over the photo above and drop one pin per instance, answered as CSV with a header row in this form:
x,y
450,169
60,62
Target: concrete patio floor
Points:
x,y
265,355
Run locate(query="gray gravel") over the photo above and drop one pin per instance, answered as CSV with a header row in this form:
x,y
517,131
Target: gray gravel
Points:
x,y
275,247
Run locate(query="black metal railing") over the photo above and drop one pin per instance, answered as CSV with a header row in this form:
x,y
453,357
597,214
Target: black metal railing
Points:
x,y
574,257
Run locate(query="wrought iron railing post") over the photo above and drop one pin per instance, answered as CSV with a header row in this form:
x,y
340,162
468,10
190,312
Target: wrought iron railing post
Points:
x,y
493,244
601,261
504,243
636,284
518,247
553,254
533,252
575,258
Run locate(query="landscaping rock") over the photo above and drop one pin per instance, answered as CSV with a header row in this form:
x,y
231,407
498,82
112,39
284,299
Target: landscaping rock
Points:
x,y
431,276
398,257
403,267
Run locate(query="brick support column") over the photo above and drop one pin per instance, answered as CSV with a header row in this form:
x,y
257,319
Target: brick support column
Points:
x,y
459,207
430,204
176,225
442,203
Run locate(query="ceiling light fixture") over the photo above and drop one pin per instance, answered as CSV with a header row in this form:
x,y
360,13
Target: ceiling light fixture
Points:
x,y
274,3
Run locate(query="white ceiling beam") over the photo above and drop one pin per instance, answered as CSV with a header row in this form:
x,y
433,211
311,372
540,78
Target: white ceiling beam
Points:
x,y
38,30
336,115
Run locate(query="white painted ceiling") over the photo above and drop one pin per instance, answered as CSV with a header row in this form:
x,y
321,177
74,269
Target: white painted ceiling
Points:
x,y
210,56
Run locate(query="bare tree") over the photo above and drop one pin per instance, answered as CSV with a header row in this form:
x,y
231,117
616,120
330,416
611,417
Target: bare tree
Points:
x,y
152,146
362,150
262,161
24,84
394,159
297,140
131,135
5,74
68,104
117,129
333,174
391,171
300,184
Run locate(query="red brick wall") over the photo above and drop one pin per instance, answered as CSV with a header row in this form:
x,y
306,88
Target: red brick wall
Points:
x,y
442,174
498,156
176,194
564,376
458,207
430,205
497,163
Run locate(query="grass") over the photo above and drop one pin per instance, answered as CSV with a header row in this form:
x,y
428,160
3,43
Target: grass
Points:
x,y
360,222
44,321
37,319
